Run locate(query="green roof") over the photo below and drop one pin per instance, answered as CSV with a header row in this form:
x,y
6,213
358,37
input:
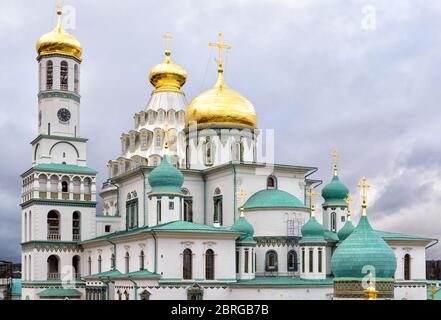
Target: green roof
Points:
x,y
16,287
273,198
64,168
59,292
165,178
335,192
364,247
102,275
282,281
141,274
400,236
330,236
185,226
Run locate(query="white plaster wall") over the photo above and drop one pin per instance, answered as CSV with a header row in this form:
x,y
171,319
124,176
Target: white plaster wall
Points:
x,y
417,262
410,291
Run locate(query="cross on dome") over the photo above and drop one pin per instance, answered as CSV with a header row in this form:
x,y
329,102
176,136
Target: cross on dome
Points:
x,y
220,45
349,200
312,193
364,188
335,157
242,195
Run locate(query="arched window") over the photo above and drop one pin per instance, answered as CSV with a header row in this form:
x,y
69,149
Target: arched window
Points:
x,y
235,152
209,265
49,75
292,261
76,79
187,272
25,270
25,233
218,207
303,260
76,267
127,295
64,186
311,260
127,258
271,263
100,261
119,295
187,157
145,295
271,182
53,225
53,270
30,225
407,266
208,153
188,209
64,77
89,266
333,221
141,260
76,226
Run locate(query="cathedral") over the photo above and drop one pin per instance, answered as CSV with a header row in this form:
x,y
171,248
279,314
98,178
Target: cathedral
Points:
x,y
188,210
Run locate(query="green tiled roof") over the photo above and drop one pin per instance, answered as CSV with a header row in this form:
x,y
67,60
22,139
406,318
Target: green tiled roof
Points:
x,y
64,168
102,275
399,236
141,274
273,198
346,231
282,281
16,287
59,292
165,178
335,192
330,236
186,226
364,247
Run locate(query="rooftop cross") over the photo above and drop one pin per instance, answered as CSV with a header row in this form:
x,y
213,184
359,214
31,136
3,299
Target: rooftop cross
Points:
x,y
349,201
242,195
364,187
220,45
167,38
335,157
312,193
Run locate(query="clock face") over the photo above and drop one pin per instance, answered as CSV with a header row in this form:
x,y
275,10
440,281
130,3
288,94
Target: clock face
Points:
x,y
63,115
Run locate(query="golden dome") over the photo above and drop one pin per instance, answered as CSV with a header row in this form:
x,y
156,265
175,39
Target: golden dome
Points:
x,y
59,41
221,106
167,76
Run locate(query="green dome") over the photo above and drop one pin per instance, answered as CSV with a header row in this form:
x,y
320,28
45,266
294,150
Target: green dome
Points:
x,y
335,192
313,230
273,198
165,178
346,231
243,226
364,247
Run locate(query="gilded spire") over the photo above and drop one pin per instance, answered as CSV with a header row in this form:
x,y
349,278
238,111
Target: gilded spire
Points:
x,y
364,187
312,193
242,195
167,38
349,201
59,14
335,157
220,69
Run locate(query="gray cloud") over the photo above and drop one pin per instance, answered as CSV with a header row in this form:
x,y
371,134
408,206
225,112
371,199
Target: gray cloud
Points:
x,y
311,71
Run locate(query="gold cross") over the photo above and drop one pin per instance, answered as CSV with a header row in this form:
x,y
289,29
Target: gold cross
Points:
x,y
167,38
241,194
165,131
349,201
59,8
220,45
312,193
364,187
335,157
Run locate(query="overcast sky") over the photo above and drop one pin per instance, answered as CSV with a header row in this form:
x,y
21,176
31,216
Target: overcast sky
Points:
x,y
359,76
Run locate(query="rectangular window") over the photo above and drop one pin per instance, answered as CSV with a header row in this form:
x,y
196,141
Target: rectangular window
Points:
x,y
171,205
158,211
320,260
252,260
303,260
246,261
218,210
107,228
237,261
343,219
311,260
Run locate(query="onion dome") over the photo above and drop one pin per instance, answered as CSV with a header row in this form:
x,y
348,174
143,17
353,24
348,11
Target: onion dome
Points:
x,y
245,228
346,231
167,76
335,192
221,106
313,230
363,247
165,178
59,41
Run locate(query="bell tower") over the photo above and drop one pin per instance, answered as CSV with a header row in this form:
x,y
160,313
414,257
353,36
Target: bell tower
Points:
x,y
58,192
